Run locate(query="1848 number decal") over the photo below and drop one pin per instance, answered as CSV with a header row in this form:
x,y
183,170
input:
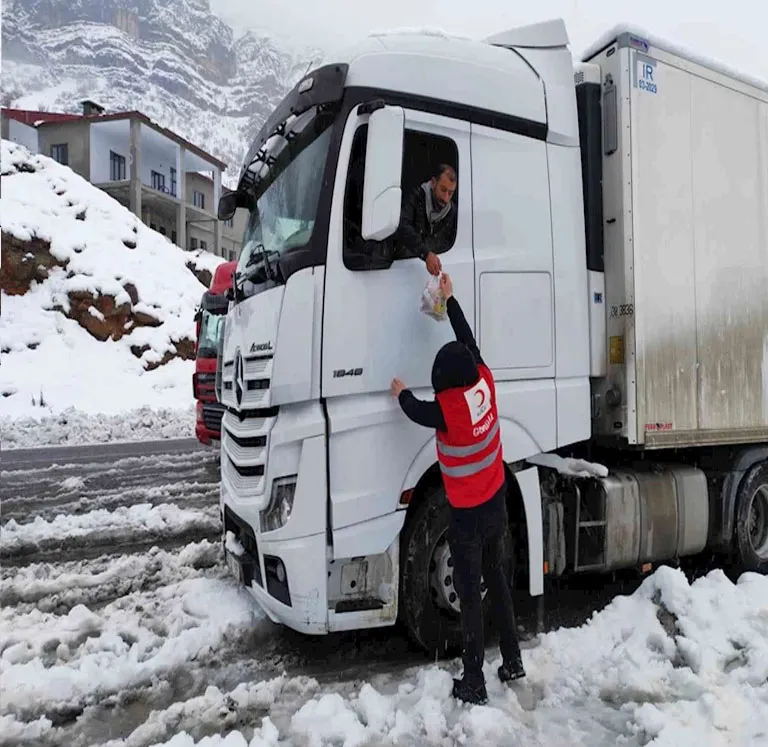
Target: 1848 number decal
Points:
x,y
340,373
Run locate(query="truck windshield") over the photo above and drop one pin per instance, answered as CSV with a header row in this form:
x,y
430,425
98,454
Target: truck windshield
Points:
x,y
282,217
211,326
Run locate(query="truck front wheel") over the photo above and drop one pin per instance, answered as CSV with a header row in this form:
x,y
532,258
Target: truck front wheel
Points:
x,y
429,605
752,520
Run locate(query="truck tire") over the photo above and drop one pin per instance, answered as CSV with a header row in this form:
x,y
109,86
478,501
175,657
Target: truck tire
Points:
x,y
752,520
425,593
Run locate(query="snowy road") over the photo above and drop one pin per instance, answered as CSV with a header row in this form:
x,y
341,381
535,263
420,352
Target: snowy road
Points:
x,y
47,456
120,626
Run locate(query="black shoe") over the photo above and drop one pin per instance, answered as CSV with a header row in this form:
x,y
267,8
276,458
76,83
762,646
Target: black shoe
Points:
x,y
474,694
508,672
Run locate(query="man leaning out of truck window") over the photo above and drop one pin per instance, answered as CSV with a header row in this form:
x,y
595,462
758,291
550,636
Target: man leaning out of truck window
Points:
x,y
428,218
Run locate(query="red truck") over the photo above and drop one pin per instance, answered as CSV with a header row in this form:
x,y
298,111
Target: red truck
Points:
x,y
209,322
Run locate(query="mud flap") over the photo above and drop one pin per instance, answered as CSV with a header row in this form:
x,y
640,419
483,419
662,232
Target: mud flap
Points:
x,y
528,480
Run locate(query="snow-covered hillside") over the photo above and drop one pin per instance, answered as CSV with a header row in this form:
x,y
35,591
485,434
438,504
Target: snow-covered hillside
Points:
x,y
97,308
174,60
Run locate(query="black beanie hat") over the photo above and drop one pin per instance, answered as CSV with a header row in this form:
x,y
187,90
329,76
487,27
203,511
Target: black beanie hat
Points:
x,y
454,366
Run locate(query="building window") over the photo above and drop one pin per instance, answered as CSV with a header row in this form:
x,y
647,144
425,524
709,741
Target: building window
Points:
x,y
116,167
158,181
153,226
60,153
198,199
173,236
232,255
173,181
204,245
192,243
163,230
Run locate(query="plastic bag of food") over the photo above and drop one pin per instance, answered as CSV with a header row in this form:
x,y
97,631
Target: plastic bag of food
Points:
x,y
433,301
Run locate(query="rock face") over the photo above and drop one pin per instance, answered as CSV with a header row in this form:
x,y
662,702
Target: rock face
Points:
x,y
102,316
172,59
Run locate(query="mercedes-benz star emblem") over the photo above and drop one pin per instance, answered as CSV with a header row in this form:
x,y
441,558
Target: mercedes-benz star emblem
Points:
x,y
239,377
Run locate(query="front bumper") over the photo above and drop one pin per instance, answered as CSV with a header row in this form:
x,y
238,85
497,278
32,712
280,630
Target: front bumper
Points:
x,y
295,597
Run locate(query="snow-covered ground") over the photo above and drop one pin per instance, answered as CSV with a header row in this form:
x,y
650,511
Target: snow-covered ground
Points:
x,y
54,371
675,664
121,626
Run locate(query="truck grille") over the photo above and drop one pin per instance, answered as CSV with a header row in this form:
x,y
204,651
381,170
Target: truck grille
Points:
x,y
251,390
212,414
245,446
247,421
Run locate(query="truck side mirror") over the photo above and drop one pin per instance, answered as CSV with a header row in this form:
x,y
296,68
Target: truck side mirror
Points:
x,y
382,194
227,205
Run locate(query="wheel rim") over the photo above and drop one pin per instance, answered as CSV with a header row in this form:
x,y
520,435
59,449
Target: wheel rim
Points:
x,y
441,583
757,522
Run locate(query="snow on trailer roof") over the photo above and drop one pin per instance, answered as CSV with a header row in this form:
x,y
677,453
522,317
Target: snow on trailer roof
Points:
x,y
640,36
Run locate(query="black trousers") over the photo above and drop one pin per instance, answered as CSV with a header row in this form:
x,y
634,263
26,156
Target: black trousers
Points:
x,y
475,536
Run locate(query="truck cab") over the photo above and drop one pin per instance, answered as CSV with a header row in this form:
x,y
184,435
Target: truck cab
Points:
x,y
209,326
331,499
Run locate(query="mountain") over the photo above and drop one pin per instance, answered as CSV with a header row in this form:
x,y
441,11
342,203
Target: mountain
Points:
x,y
174,60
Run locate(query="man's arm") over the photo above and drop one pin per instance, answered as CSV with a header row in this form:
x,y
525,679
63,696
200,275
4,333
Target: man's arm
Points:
x,y
406,232
458,321
409,240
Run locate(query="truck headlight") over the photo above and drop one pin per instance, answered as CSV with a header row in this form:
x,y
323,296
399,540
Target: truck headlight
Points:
x,y
280,505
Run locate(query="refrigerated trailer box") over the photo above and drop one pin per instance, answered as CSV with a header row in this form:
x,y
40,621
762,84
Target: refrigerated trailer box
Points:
x,y
685,245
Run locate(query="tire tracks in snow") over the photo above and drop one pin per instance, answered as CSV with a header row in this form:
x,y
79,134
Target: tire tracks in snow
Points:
x,y
192,478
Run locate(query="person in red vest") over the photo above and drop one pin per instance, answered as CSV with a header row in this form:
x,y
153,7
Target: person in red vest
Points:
x,y
470,456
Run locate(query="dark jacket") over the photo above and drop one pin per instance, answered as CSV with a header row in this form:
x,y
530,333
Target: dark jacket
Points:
x,y
413,238
455,365
416,234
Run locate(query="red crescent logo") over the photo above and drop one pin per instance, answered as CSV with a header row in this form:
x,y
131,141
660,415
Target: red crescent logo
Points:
x,y
482,397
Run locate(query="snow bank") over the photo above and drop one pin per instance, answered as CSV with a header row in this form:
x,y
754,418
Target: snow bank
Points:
x,y
51,661
97,300
73,427
673,665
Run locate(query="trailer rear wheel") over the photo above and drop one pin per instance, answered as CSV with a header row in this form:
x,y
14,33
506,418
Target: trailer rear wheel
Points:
x,y
752,519
429,606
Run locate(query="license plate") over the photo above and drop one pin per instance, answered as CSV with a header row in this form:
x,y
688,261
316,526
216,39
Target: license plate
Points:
x,y
234,565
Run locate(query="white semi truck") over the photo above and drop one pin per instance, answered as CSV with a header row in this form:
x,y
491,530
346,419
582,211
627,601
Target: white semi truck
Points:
x,y
611,253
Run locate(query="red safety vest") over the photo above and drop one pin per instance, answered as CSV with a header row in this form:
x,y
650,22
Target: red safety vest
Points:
x,y
469,452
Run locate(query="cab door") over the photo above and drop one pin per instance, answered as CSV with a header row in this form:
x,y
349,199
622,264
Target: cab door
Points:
x,y
374,331
372,323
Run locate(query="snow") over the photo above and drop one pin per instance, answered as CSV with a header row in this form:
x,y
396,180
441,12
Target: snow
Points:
x,y
51,365
165,520
420,31
117,647
72,427
622,678
568,466
673,665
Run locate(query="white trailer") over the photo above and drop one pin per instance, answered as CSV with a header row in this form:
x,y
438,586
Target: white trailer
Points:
x,y
611,253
